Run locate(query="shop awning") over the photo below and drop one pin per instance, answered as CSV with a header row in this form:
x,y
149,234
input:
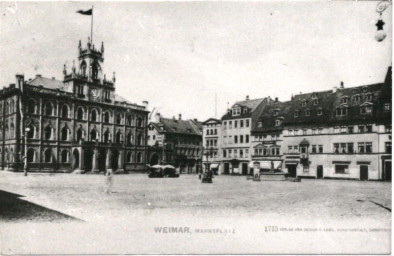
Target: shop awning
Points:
x,y
275,164
214,166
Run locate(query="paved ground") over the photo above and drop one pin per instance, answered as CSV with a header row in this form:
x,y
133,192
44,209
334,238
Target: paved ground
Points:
x,y
236,214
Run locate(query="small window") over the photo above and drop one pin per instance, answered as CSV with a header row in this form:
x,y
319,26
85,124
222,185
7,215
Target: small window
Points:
x,y
341,169
387,106
307,112
315,102
319,111
260,124
296,113
277,122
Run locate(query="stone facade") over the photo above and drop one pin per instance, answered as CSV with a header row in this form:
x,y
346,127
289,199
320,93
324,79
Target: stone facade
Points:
x,y
78,124
212,129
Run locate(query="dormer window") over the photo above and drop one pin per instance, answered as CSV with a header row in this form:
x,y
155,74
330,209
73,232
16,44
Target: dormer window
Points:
x,y
304,103
296,113
236,111
345,99
356,97
315,102
368,97
277,122
319,111
365,90
276,112
341,111
307,112
260,124
366,108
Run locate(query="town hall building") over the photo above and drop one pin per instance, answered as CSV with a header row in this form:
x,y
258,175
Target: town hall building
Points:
x,y
77,124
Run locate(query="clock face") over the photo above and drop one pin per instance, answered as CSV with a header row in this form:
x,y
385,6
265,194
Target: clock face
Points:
x,y
95,93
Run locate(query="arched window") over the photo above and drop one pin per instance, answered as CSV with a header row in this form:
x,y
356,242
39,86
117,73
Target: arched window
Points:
x,y
95,69
129,139
139,140
93,135
139,157
48,155
30,133
48,133
80,134
129,157
30,155
80,113
12,129
106,117
65,111
48,109
94,115
129,120
107,136
139,122
64,156
31,106
119,137
83,68
118,119
12,155
65,133
12,106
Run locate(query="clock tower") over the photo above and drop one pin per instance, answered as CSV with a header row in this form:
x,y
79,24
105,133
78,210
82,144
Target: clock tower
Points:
x,y
87,80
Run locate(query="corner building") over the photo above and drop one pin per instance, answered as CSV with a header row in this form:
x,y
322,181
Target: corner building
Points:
x,y
78,124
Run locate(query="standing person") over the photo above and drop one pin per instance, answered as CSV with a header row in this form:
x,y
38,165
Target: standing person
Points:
x,y
108,181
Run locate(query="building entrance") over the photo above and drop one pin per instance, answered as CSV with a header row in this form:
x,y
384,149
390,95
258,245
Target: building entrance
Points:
x,y
75,159
88,160
387,171
363,172
115,160
292,169
319,173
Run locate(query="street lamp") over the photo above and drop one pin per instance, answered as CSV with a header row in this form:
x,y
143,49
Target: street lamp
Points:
x,y
25,155
380,33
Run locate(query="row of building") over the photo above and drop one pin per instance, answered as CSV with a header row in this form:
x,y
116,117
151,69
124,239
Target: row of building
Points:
x,y
341,133
79,123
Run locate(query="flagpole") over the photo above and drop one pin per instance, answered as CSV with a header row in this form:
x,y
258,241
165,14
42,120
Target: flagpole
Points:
x,y
91,29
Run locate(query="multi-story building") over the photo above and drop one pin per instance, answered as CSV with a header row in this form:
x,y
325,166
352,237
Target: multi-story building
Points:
x,y
175,141
341,133
236,132
267,136
75,124
212,145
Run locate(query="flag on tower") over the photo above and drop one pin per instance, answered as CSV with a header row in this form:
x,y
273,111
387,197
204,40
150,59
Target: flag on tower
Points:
x,y
87,12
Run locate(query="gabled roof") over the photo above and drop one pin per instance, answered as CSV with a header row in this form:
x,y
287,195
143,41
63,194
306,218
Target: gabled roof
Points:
x,y
54,84
190,127
251,105
212,119
46,82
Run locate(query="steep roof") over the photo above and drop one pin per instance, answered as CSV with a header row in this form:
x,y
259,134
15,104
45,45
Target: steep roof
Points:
x,y
190,127
46,82
54,84
250,105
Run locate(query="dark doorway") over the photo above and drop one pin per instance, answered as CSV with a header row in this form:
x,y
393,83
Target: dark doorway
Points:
x,y
102,157
75,159
292,169
319,171
115,159
387,171
363,172
88,160
244,169
226,168
154,159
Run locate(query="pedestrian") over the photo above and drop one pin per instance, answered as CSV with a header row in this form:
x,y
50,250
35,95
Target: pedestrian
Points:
x,y
108,181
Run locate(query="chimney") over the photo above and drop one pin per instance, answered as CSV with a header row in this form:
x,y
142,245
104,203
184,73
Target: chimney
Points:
x,y
20,79
180,116
334,90
145,103
38,75
342,86
276,99
157,117
247,97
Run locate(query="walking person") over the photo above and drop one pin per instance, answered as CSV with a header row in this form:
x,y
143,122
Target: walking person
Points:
x,y
108,181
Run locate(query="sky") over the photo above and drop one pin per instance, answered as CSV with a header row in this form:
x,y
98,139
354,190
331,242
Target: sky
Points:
x,y
179,55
